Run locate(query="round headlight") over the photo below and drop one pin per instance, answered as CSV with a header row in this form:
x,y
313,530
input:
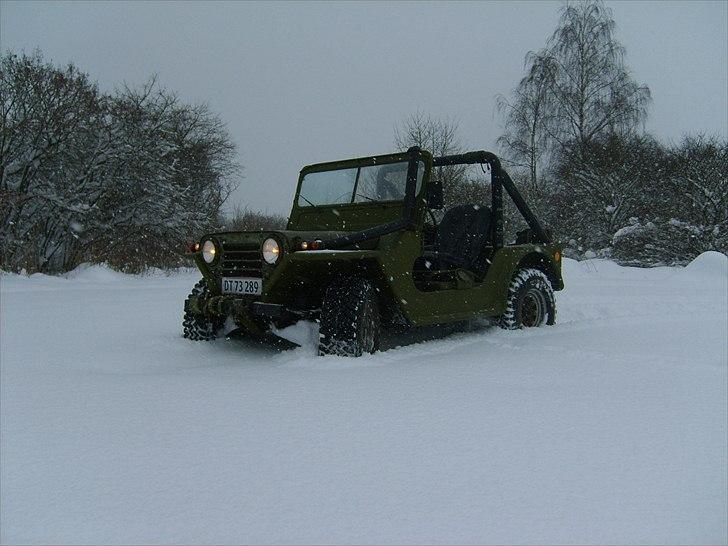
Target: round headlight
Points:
x,y
208,251
271,251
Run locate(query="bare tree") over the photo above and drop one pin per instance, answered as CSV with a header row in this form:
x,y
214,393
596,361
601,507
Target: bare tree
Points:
x,y
632,199
439,137
567,122
592,91
527,116
172,170
699,189
125,178
245,219
686,211
593,195
436,135
49,158
577,89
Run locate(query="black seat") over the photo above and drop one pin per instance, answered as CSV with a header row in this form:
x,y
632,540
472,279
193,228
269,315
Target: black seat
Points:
x,y
461,236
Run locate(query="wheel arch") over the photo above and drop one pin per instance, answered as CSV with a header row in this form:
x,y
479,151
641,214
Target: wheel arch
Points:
x,y
372,270
543,262
389,307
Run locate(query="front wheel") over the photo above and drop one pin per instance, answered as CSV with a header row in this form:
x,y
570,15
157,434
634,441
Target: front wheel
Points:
x,y
530,301
195,326
350,320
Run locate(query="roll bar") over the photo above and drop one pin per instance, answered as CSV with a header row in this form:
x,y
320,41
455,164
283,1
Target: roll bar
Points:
x,y
499,180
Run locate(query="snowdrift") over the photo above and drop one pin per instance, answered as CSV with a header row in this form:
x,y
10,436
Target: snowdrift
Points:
x,y
712,265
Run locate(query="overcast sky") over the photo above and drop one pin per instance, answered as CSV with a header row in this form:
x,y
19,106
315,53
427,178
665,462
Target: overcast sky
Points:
x,y
301,83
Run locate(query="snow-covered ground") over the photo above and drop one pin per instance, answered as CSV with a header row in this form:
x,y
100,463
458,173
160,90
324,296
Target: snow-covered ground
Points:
x,y
609,427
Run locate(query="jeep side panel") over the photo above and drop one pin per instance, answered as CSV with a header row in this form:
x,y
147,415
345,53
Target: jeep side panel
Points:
x,y
440,306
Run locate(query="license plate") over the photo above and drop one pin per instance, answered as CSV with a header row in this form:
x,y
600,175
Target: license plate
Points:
x,y
242,285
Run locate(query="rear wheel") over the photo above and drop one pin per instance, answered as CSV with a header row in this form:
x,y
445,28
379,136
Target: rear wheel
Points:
x,y
196,326
530,301
350,319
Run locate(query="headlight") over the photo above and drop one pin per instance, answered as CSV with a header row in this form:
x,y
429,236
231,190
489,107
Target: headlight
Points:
x,y
208,251
271,251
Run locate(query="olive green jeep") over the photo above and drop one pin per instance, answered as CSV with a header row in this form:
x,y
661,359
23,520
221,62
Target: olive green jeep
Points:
x,y
365,253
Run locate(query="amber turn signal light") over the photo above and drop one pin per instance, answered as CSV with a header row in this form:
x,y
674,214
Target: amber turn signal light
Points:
x,y
311,245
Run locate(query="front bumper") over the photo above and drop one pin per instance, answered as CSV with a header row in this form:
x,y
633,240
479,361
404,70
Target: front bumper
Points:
x,y
253,316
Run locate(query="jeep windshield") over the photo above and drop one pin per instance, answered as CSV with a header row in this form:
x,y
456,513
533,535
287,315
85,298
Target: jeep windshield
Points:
x,y
377,183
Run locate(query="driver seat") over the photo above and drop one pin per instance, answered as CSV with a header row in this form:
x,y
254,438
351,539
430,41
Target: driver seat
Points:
x,y
461,235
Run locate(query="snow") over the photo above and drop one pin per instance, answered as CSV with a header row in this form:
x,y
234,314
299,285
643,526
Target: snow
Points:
x,y
627,230
711,265
609,427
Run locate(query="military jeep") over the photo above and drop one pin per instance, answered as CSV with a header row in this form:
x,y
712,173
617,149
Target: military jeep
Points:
x,y
364,253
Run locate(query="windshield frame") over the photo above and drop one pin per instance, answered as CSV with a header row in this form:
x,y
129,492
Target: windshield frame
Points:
x,y
358,163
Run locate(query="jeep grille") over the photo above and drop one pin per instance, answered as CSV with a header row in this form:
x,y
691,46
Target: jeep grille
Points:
x,y
241,260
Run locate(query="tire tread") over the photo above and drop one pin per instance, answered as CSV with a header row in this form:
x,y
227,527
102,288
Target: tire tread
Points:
x,y
510,319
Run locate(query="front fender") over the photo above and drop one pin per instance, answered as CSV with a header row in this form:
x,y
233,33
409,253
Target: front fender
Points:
x,y
508,260
308,273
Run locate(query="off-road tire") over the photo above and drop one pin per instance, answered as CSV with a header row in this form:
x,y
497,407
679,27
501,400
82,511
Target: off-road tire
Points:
x,y
350,318
199,327
530,301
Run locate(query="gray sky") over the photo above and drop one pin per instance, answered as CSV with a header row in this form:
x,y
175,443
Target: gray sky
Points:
x,y
301,83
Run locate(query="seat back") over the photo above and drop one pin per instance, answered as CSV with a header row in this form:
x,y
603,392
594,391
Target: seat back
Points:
x,y
463,232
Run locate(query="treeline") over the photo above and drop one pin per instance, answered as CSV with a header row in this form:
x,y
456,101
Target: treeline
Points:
x,y
640,202
574,132
246,219
125,178
130,177
574,142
